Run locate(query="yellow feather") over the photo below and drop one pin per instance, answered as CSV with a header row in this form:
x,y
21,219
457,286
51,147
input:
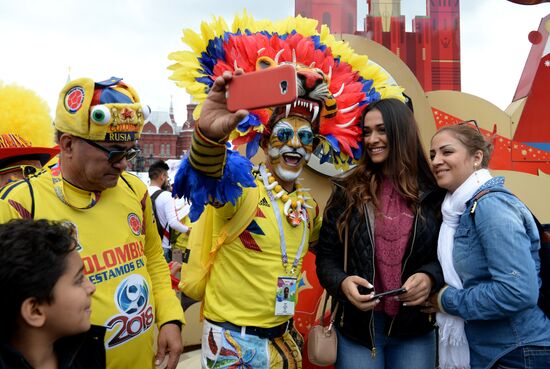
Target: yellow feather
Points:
x,y
194,41
206,31
219,26
197,112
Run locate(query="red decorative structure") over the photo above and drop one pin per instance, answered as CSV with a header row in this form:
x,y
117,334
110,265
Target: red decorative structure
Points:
x,y
534,87
432,51
507,154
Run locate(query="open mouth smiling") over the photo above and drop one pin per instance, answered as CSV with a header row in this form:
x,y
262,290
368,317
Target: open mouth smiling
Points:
x,y
376,150
292,159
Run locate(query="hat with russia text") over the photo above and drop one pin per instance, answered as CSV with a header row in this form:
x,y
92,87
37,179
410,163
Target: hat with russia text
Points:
x,y
100,111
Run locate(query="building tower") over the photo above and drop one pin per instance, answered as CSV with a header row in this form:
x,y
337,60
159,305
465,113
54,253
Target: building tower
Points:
x,y
386,25
431,50
339,15
445,19
171,115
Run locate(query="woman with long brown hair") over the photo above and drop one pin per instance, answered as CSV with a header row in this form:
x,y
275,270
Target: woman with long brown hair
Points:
x,y
389,206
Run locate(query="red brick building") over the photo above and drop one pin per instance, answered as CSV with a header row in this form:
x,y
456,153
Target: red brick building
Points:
x,y
432,50
162,138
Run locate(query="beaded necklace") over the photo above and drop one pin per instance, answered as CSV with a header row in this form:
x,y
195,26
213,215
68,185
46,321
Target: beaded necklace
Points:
x,y
294,209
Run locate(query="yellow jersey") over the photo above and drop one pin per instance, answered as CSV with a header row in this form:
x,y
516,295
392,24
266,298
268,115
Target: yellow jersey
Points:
x,y
242,288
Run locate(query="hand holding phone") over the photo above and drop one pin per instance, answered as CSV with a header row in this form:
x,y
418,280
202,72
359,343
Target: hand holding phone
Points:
x,y
396,292
264,88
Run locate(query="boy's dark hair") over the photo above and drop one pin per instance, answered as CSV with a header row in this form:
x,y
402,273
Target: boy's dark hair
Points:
x,y
32,259
157,168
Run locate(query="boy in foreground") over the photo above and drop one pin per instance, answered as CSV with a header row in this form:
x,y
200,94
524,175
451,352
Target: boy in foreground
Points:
x,y
45,299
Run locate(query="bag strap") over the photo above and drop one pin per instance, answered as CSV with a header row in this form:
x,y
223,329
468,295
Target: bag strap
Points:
x,y
327,297
543,234
242,218
233,228
237,224
160,228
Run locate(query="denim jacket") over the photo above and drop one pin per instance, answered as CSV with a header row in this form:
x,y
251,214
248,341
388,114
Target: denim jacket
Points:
x,y
496,257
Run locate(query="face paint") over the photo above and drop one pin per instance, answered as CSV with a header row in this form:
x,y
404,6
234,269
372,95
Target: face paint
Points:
x,y
290,147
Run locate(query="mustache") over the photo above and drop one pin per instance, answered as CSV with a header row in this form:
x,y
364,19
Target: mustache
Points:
x,y
286,149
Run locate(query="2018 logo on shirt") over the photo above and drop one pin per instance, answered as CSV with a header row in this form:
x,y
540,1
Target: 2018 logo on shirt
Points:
x,y
132,299
134,223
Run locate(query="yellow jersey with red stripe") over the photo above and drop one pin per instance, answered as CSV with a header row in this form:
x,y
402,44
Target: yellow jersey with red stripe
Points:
x,y
122,255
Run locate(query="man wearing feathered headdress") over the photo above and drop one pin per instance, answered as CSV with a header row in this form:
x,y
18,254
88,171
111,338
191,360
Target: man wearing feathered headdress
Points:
x,y
248,320
26,133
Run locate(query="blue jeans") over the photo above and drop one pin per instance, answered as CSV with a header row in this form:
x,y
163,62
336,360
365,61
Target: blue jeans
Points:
x,y
391,353
167,254
525,357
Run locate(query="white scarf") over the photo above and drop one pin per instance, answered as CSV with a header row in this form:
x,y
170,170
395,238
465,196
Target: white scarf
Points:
x,y
454,352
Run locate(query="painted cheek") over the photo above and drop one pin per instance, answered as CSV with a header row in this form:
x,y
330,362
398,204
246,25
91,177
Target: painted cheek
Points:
x,y
274,153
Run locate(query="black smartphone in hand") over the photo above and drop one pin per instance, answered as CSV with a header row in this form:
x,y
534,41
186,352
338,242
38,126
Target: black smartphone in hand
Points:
x,y
364,290
396,292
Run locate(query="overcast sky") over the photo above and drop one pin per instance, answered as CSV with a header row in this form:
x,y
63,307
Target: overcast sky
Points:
x,y
40,40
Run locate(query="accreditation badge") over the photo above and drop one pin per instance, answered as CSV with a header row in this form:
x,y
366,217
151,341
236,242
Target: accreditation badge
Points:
x,y
285,301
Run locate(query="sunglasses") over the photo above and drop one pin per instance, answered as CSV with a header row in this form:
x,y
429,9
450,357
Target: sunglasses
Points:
x,y
472,123
26,170
286,134
114,156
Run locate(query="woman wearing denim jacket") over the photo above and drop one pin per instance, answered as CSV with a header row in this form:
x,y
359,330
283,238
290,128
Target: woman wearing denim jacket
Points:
x,y
490,261
389,206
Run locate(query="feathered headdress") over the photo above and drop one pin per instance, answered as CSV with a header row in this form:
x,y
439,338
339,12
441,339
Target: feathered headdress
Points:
x,y
352,80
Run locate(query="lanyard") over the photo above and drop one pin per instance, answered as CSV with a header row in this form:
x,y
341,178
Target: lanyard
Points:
x,y
57,182
275,206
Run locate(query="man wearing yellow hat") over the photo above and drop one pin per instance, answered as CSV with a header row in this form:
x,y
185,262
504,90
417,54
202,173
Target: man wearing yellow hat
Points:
x,y
26,133
97,126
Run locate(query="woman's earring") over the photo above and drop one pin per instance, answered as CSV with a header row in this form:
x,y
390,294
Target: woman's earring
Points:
x,y
475,172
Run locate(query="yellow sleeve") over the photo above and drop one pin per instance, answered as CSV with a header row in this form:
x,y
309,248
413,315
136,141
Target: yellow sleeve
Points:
x,y
7,212
11,208
167,305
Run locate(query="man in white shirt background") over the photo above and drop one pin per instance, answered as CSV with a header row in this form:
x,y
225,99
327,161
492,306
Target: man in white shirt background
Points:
x,y
164,205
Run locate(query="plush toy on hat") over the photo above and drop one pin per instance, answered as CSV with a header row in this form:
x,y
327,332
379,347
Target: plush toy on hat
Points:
x,y
26,130
100,111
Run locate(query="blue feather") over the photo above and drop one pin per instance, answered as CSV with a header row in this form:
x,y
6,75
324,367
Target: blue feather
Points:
x,y
325,158
200,189
356,152
333,143
253,146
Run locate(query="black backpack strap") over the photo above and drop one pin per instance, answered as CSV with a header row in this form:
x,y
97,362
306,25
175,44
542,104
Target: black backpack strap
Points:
x,y
483,193
128,184
32,197
154,196
544,236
